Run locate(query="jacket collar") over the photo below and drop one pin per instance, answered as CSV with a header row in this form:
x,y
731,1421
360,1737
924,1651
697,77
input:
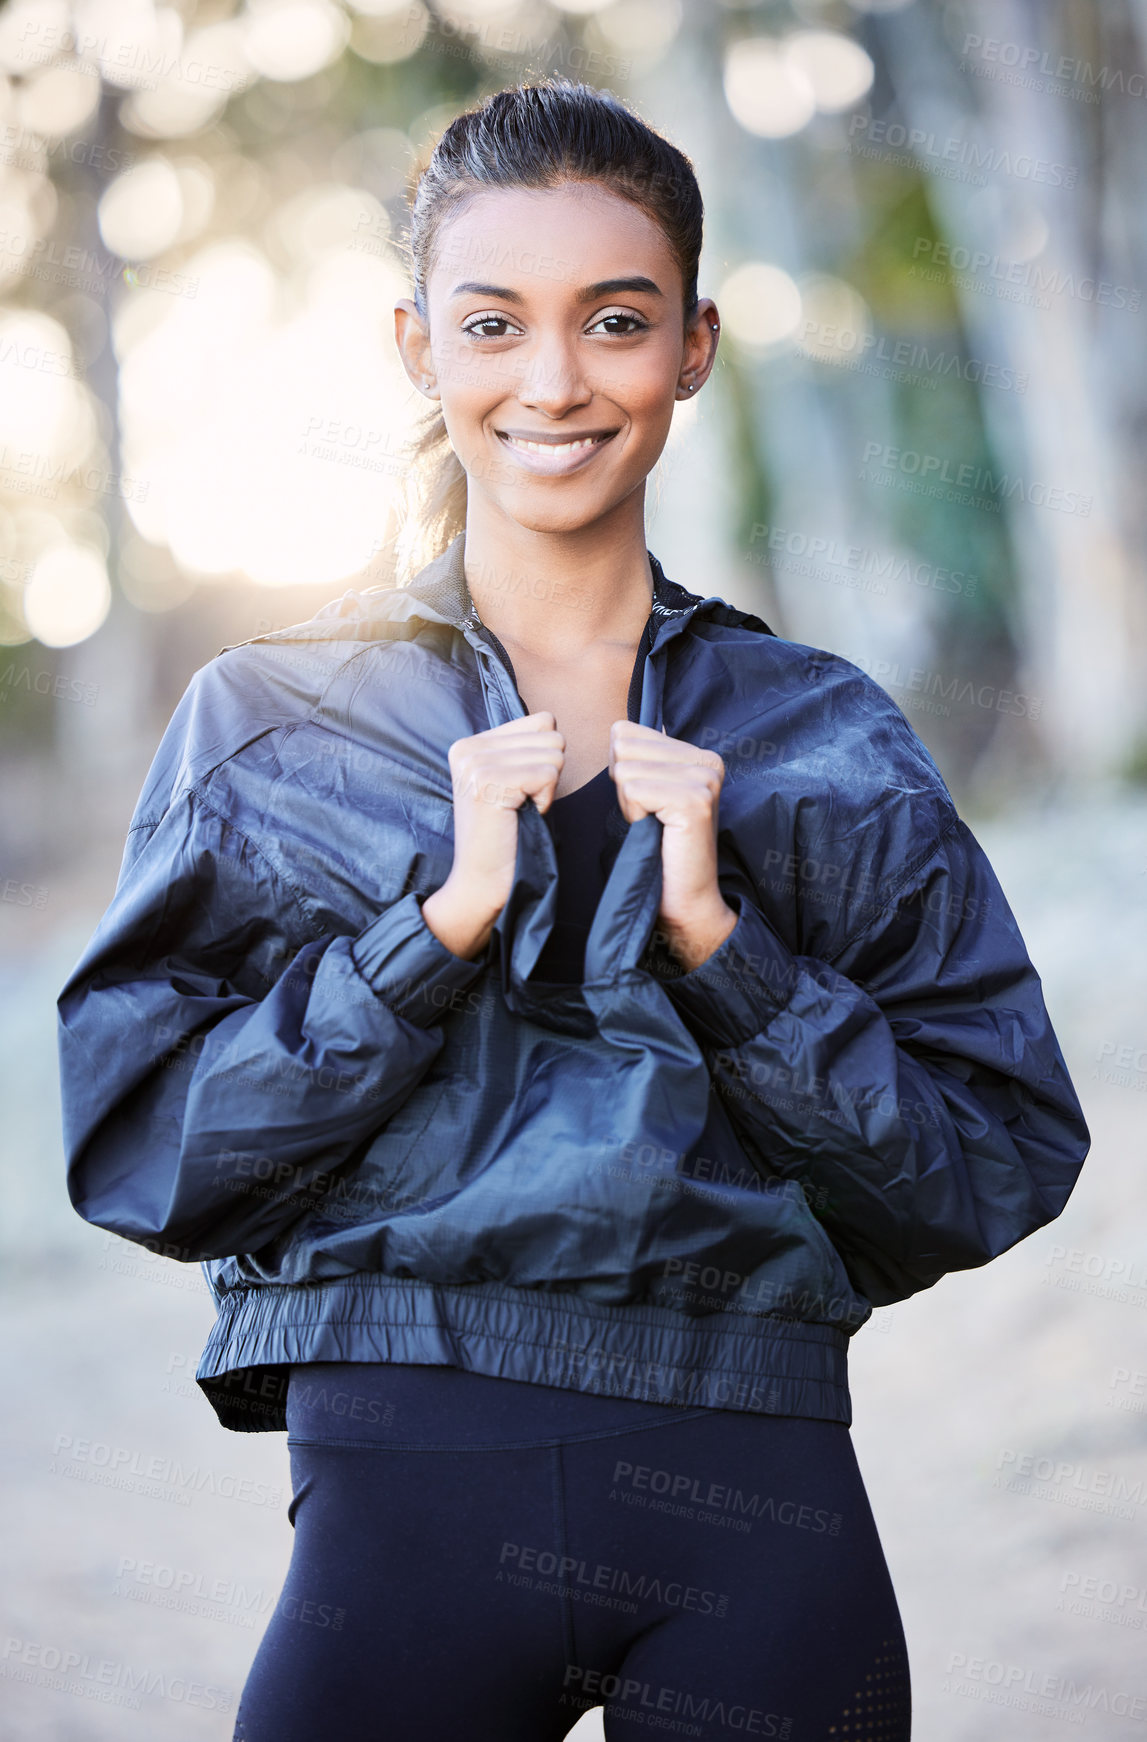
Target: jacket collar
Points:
x,y
439,593
441,586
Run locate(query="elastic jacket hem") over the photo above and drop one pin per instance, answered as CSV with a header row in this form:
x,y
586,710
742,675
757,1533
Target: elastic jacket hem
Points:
x,y
762,1364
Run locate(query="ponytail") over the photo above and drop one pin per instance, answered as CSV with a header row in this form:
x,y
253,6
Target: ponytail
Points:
x,y
431,510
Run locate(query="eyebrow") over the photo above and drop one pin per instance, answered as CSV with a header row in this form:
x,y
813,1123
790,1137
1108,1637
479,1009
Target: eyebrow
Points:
x,y
588,293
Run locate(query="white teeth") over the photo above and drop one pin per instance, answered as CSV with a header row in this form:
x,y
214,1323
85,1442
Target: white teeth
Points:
x,y
553,447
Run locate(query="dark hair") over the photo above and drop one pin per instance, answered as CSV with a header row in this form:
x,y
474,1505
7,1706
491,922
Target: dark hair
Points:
x,y
531,136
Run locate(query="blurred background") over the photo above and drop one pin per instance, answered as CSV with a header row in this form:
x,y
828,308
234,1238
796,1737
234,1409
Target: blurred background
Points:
x,y
922,447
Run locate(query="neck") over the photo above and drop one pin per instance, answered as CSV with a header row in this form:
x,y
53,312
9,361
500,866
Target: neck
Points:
x,y
556,594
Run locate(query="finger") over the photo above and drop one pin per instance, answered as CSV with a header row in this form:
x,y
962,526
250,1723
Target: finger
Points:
x,y
520,774
624,730
681,772
631,740
640,731
533,745
541,721
629,808
693,804
496,752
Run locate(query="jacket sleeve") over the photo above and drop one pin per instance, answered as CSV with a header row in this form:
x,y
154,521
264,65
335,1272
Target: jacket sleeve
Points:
x,y
207,1028
914,1084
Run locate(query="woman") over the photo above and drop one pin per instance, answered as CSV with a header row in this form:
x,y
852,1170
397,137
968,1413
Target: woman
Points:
x,y
557,1010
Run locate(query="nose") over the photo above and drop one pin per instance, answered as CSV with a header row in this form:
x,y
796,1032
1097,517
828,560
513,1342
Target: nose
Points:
x,y
553,379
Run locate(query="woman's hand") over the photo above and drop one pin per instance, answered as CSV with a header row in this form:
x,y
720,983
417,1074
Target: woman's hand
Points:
x,y
492,774
681,784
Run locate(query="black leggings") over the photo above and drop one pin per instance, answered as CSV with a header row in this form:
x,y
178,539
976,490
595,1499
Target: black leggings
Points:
x,y
696,1572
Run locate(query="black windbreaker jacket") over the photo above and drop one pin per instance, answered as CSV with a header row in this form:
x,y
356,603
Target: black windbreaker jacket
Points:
x,y
686,1188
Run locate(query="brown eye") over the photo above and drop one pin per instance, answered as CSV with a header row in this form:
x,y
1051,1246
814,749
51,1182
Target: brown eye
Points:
x,y
636,324
487,321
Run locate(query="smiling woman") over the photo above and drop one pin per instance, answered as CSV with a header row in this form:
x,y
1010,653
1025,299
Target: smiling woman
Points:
x,y
556,388
588,1124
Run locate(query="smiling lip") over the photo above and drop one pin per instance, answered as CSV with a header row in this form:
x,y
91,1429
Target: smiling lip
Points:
x,y
551,452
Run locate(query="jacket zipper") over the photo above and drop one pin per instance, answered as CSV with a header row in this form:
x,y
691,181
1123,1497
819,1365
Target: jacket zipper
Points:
x,y
633,697
491,640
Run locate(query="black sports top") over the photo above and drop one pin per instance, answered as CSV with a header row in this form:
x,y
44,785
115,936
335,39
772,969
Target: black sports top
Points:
x,y
587,829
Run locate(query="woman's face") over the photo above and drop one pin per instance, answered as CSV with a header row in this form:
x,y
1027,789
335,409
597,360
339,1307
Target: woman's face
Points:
x,y
555,318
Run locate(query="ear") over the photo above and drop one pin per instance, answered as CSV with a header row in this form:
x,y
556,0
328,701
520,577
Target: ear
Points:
x,y
700,350
412,337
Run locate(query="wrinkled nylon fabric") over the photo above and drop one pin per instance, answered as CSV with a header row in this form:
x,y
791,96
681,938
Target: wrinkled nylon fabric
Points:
x,y
684,1188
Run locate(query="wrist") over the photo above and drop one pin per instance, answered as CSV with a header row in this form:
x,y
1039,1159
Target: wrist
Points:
x,y
461,926
693,941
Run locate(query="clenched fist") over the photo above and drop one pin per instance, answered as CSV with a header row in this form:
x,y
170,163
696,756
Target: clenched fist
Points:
x,y
492,773
681,784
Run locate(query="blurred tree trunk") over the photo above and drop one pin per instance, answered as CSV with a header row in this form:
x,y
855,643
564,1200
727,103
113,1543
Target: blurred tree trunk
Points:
x,y
119,656
1075,569
714,485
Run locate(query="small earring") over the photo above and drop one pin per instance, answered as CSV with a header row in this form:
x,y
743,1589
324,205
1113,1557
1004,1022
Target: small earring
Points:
x,y
713,326
692,385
